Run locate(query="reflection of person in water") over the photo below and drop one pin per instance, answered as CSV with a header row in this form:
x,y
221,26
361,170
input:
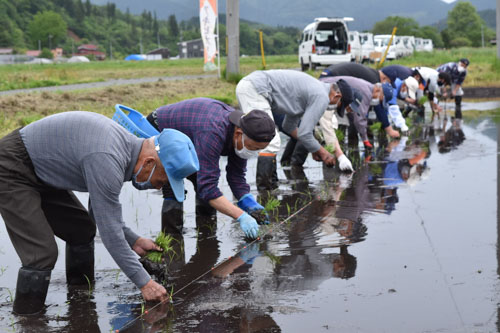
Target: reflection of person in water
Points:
x,y
453,137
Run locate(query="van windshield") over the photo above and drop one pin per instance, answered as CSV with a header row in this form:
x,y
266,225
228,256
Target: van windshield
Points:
x,y
331,38
382,41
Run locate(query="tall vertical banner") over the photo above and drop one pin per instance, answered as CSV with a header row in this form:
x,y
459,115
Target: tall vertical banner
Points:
x,y
208,18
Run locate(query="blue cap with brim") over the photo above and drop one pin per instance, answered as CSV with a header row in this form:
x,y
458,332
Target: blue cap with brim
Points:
x,y
179,159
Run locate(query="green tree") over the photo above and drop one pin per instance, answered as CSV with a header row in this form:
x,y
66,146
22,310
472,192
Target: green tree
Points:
x,y
46,54
406,26
463,21
47,25
173,27
429,32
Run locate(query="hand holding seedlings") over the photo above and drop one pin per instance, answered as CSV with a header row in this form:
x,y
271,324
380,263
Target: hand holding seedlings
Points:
x,y
143,245
252,207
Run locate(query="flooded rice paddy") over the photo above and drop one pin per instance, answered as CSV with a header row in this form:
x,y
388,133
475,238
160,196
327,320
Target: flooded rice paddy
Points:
x,y
407,244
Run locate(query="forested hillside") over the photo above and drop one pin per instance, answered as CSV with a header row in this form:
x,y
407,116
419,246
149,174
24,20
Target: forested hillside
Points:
x,y
69,23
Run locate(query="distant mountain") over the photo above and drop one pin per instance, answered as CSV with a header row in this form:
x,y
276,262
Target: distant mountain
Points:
x,y
299,13
488,15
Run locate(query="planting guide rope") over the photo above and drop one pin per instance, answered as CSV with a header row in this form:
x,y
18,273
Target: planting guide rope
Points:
x,y
222,262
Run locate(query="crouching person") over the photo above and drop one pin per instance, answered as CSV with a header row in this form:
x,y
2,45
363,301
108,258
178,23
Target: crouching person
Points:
x,y
216,130
43,162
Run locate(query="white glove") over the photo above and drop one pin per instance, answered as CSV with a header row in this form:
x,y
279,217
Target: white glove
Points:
x,y
344,163
345,181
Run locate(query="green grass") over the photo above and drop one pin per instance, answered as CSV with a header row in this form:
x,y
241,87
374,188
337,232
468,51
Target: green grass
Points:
x,y
23,76
484,68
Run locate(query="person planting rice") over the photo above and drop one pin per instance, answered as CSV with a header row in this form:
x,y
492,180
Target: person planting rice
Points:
x,y
216,130
43,162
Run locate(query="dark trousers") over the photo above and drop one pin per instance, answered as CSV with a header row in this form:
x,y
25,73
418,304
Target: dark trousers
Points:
x,y
34,212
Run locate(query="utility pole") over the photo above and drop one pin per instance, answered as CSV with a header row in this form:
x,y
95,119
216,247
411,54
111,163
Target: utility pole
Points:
x,y
110,50
39,45
233,36
482,35
140,43
50,42
158,38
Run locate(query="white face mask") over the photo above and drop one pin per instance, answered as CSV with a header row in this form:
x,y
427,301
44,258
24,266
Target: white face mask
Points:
x,y
331,107
461,68
244,152
403,94
375,101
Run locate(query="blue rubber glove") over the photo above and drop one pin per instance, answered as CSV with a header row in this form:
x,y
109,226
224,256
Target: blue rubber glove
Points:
x,y
248,225
252,207
249,253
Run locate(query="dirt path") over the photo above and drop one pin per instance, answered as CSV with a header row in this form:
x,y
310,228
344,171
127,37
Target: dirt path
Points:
x,y
109,83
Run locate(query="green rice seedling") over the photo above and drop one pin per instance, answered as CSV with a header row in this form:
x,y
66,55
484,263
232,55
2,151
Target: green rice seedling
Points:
x,y
340,135
423,100
165,242
272,204
89,284
288,209
154,256
330,148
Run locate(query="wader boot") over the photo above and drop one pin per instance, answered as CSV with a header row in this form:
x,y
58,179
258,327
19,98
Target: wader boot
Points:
x,y
204,209
286,158
80,263
267,177
458,107
172,217
31,290
299,155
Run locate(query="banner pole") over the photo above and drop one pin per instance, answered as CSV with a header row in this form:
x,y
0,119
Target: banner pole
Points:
x,y
218,40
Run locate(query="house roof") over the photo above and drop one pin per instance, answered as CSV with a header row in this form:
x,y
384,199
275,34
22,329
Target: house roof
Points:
x,y
88,47
6,50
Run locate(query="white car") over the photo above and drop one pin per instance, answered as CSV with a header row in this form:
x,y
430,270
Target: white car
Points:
x,y
409,44
367,46
355,46
400,48
381,42
419,44
324,42
428,45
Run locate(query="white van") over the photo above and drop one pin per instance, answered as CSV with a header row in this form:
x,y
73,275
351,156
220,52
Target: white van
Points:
x,y
419,44
324,42
367,46
409,44
381,42
355,46
400,48
428,45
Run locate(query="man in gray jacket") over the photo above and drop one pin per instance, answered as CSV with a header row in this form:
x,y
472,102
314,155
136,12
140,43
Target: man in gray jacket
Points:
x,y
299,99
43,162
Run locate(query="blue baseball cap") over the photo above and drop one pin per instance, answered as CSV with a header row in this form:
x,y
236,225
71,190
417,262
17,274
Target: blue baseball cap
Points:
x,y
179,159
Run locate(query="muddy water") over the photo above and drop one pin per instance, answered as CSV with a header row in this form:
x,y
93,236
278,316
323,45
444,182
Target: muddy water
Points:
x,y
407,244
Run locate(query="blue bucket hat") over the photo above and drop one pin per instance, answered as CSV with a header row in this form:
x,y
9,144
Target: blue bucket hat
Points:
x,y
179,159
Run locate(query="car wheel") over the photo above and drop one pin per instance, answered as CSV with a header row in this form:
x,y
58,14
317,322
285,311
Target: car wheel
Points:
x,y
303,67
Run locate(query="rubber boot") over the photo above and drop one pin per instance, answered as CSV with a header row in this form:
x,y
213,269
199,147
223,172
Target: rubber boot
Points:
x,y
31,290
299,155
286,158
172,219
458,107
80,263
204,209
267,177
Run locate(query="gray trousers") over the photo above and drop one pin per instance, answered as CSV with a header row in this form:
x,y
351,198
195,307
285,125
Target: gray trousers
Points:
x,y
34,212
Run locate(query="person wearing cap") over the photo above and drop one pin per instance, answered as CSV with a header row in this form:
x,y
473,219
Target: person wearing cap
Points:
x,y
435,83
216,130
368,94
297,97
42,163
356,70
401,72
295,152
406,91
457,72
